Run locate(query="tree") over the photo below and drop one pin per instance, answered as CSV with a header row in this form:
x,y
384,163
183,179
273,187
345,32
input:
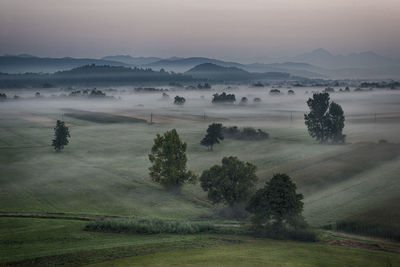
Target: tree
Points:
x,y
179,100
336,123
325,120
61,135
277,203
213,136
168,156
231,183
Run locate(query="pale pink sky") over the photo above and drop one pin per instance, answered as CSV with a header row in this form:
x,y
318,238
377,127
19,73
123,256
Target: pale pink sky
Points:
x,y
228,29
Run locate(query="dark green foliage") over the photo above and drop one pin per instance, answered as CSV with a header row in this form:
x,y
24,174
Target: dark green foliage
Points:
x,y
61,135
223,98
205,86
179,100
290,92
369,228
149,90
336,122
274,92
168,156
213,136
257,100
37,94
277,205
325,120
248,133
258,84
149,226
3,96
231,183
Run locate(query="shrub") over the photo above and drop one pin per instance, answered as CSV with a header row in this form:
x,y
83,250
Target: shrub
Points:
x,y
248,133
148,226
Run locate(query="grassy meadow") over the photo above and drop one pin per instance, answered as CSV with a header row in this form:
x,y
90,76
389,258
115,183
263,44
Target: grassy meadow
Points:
x,y
104,172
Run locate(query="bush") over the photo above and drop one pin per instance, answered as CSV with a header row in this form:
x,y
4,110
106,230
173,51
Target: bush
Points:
x,y
248,133
148,226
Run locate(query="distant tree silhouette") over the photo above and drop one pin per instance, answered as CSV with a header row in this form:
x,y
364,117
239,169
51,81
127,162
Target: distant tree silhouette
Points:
x,y
179,100
223,98
214,135
61,135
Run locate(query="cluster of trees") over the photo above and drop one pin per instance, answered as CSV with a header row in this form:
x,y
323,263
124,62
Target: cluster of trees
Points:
x,y
203,86
233,183
3,96
223,98
247,133
325,121
179,100
275,92
91,93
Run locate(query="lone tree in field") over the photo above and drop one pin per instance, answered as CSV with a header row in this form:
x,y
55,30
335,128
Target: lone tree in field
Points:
x,y
168,156
231,183
325,120
61,135
179,100
214,135
276,204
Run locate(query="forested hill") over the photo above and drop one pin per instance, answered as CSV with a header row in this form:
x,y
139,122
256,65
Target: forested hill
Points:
x,y
220,73
91,75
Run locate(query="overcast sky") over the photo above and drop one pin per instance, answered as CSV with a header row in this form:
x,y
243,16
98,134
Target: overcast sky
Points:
x,y
227,29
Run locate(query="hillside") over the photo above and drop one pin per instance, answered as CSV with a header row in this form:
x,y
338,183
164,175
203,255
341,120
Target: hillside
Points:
x,y
215,72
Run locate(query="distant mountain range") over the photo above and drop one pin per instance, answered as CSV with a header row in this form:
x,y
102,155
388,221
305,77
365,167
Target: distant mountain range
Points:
x,y
317,64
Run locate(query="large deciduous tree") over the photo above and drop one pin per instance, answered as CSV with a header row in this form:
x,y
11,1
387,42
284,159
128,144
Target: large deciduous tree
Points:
x,y
231,183
276,204
214,135
61,135
325,121
168,156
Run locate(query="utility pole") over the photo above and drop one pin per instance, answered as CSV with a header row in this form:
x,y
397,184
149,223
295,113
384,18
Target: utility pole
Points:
x,y
204,116
151,118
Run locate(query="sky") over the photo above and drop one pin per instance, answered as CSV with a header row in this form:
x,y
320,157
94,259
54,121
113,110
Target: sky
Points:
x,y
244,30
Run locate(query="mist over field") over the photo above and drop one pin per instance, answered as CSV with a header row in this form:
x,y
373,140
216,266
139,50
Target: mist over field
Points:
x,y
212,133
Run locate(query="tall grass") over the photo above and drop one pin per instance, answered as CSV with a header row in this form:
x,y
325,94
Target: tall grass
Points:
x,y
148,226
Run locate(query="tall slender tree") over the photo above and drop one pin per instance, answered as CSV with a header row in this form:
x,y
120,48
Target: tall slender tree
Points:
x,y
61,135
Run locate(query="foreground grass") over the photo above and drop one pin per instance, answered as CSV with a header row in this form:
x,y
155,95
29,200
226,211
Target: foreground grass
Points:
x,y
41,242
262,252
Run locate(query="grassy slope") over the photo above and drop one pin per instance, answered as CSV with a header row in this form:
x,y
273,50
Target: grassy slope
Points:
x,y
57,241
264,253
104,170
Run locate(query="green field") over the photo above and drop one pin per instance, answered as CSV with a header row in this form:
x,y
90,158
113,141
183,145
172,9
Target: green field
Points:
x,y
104,171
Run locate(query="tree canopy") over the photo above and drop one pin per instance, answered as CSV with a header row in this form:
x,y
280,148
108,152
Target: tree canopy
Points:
x,y
179,100
214,135
325,121
231,183
61,135
277,203
168,156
